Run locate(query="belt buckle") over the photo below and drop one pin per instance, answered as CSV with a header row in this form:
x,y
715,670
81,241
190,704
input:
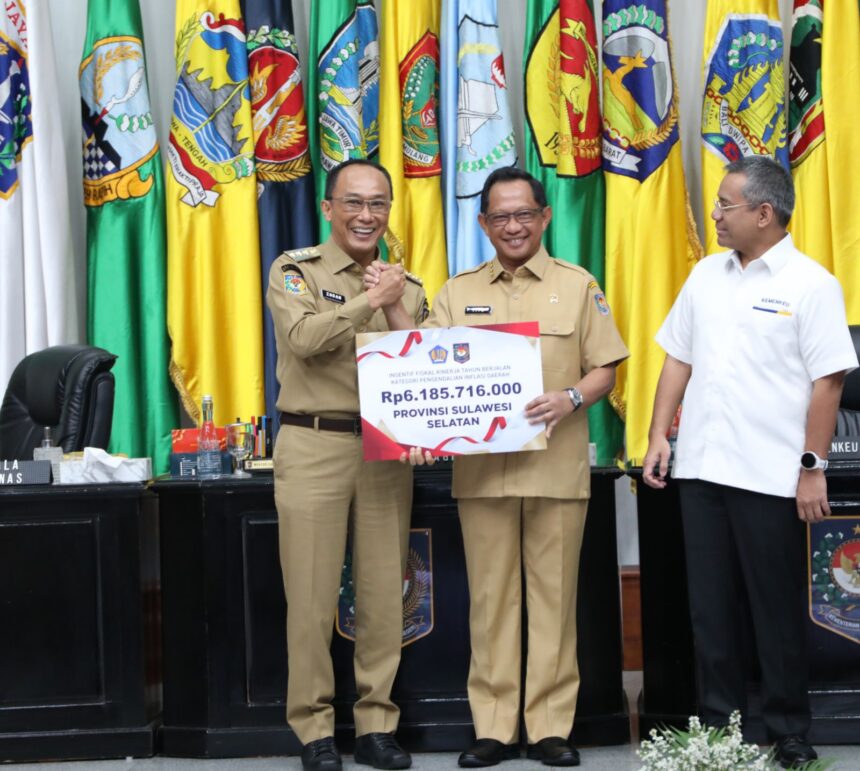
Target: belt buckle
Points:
x,y
356,426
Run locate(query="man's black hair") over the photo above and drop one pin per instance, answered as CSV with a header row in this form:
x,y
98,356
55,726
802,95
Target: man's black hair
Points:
x,y
331,179
512,174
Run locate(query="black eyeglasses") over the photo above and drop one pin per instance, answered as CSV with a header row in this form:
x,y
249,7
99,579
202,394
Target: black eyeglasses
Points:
x,y
523,216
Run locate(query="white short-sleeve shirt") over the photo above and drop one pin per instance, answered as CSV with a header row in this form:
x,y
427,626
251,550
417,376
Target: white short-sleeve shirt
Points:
x,y
756,340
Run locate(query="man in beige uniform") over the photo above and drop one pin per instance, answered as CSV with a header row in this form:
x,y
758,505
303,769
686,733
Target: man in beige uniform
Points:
x,y
528,508
323,486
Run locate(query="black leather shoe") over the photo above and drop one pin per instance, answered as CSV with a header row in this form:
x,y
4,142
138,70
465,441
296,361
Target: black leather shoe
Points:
x,y
553,751
792,751
381,751
321,755
487,752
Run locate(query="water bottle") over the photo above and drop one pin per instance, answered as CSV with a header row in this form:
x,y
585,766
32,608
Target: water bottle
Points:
x,y
208,447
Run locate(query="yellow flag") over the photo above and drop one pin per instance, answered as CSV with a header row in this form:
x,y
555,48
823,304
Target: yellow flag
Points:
x,y
651,242
840,86
409,137
214,299
810,224
743,105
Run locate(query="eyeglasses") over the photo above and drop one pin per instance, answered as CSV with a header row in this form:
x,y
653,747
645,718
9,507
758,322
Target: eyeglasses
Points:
x,y
523,216
721,207
354,204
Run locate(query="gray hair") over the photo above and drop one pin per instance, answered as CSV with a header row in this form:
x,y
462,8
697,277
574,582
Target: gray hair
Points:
x,y
768,181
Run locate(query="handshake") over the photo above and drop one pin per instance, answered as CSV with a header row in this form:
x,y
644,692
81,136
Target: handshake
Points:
x,y
384,284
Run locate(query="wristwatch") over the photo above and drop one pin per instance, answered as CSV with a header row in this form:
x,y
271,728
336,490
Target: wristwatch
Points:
x,y
810,461
575,397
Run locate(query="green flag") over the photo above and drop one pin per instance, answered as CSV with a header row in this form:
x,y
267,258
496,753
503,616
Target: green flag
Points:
x,y
343,86
126,246
563,151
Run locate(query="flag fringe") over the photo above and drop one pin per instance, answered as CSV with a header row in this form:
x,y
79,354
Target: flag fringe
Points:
x,y
188,403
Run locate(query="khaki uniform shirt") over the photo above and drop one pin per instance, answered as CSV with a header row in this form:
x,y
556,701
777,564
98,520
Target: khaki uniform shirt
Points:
x,y
577,335
318,305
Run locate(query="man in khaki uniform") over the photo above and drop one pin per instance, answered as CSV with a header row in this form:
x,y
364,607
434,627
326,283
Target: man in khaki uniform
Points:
x,y
528,508
323,486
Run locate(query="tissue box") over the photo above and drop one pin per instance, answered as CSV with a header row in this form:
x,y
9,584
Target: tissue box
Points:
x,y
98,466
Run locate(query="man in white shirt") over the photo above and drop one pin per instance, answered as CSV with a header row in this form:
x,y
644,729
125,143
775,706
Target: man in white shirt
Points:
x,y
757,346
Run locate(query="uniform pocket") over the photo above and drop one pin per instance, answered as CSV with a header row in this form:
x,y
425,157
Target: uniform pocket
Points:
x,y
558,345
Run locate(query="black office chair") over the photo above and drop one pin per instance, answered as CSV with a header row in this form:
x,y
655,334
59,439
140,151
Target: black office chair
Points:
x,y
69,388
848,418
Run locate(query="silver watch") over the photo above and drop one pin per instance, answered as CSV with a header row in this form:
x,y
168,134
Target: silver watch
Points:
x,y
575,397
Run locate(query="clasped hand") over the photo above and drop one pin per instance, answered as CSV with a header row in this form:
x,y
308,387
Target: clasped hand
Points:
x,y
384,284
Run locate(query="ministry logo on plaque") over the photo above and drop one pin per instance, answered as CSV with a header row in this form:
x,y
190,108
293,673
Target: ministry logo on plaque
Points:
x,y
417,591
834,575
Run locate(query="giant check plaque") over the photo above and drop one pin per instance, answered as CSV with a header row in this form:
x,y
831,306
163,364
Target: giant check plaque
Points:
x,y
451,391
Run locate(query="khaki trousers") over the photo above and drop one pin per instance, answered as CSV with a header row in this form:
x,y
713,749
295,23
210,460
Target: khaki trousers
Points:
x,y
322,488
503,537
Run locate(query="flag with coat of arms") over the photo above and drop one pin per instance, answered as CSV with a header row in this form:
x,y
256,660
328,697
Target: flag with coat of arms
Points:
x,y
810,223
563,140
824,112
343,87
651,241
126,239
38,291
214,299
743,101
409,137
477,133
286,205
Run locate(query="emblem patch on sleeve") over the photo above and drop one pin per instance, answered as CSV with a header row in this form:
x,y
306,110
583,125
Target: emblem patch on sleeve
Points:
x,y
294,284
602,305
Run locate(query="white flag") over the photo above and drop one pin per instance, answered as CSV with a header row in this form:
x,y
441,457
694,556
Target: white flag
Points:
x,y
37,277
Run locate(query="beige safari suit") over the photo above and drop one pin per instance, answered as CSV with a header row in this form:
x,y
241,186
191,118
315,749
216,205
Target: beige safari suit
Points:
x,y
323,486
528,508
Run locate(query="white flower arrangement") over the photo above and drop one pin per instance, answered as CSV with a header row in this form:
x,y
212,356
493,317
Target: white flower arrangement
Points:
x,y
707,749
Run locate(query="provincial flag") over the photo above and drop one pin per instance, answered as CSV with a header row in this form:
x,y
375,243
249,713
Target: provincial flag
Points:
x,y
343,87
810,223
840,93
214,301
651,241
126,238
285,185
38,287
477,133
409,137
563,142
743,104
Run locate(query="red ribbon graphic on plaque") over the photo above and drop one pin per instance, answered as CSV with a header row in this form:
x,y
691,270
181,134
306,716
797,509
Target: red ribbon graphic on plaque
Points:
x,y
454,391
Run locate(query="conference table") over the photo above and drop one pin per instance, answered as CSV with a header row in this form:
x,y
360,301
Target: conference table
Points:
x,y
79,622
223,615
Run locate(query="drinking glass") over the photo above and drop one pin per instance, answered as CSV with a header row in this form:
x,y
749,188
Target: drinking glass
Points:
x,y
240,444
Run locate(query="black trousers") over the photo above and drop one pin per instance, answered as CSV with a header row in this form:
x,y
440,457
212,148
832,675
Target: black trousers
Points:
x,y
737,541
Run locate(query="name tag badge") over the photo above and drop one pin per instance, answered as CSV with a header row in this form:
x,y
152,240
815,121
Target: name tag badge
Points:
x,y
333,296
479,309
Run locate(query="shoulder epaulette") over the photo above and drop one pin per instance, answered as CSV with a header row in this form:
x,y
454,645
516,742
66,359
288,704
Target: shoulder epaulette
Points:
x,y
413,278
300,255
482,266
571,266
